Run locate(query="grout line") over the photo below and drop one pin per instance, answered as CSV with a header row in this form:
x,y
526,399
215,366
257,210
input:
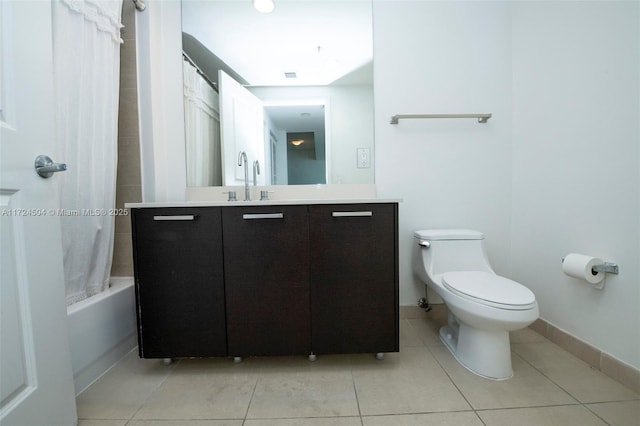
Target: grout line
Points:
x,y
596,414
558,384
472,408
253,392
580,403
174,364
355,390
445,372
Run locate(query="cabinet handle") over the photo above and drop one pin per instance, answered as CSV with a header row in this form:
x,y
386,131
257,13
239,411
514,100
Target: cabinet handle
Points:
x,y
177,217
352,214
250,216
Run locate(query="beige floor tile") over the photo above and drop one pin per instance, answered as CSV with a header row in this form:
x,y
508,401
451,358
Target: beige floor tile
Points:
x,y
323,421
122,390
623,413
213,388
567,415
527,387
409,335
275,365
309,392
466,418
407,382
102,422
185,423
427,331
423,384
583,382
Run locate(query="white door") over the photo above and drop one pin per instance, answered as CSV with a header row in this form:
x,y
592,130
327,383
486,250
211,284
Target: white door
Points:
x,y
36,380
241,129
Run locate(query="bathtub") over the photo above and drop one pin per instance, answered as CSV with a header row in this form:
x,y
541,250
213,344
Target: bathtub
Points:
x,y
102,329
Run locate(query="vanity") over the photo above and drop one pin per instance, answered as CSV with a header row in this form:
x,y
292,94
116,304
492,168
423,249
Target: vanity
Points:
x,y
280,277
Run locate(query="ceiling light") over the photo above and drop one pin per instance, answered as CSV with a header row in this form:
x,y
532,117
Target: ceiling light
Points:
x,y
297,142
264,6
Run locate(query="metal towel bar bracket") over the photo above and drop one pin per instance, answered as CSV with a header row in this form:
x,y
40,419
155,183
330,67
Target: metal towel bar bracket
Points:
x,y
482,118
611,268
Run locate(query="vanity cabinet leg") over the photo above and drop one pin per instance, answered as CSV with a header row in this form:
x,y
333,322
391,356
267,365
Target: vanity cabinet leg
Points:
x,y
312,357
237,359
167,361
380,356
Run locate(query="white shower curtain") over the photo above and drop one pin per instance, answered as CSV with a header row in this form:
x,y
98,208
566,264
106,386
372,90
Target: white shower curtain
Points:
x,y
202,130
86,56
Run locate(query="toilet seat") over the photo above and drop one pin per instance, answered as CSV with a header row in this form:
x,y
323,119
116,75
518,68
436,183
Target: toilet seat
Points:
x,y
489,289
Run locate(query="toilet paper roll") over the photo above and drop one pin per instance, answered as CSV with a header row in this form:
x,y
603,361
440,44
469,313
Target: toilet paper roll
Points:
x,y
581,266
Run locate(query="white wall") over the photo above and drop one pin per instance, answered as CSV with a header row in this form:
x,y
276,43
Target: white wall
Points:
x,y
351,128
444,57
556,170
576,162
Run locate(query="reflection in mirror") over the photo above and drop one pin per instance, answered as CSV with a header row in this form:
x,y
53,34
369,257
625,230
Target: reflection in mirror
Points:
x,y
309,63
202,129
298,143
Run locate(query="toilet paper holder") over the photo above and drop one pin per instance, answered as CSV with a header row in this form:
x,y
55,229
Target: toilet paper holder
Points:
x,y
608,267
611,268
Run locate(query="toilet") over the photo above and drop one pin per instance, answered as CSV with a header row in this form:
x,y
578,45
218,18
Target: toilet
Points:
x,y
483,307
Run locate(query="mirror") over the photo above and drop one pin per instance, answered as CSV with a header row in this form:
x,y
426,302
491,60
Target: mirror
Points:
x,y
310,64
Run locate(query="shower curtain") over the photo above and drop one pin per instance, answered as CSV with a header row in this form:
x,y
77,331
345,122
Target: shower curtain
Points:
x,y
202,130
86,56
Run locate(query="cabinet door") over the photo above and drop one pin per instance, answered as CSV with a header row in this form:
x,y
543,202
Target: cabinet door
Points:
x,y
354,278
179,282
266,262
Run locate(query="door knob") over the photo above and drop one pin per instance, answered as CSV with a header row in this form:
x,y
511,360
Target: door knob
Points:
x,y
45,167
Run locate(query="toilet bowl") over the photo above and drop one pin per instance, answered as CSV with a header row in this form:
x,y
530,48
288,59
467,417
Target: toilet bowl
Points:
x,y
483,306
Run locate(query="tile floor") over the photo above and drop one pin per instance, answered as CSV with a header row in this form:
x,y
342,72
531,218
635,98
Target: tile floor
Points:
x,y
421,385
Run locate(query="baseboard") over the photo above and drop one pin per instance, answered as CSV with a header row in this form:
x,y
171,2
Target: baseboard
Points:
x,y
596,358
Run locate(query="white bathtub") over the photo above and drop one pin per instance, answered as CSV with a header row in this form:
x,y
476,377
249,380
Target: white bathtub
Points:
x,y
102,329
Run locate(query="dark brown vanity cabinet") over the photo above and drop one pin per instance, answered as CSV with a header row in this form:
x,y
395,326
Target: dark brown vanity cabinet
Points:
x,y
243,280
266,263
354,278
179,282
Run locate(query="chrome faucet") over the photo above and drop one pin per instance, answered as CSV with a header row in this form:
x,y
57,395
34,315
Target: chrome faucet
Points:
x,y
256,172
242,161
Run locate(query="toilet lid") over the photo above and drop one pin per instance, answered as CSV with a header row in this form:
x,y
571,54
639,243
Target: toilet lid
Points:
x,y
489,289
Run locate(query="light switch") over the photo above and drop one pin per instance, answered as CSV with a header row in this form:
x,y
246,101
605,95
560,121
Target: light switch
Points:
x,y
364,158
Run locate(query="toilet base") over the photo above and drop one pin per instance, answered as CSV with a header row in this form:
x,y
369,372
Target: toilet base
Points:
x,y
485,353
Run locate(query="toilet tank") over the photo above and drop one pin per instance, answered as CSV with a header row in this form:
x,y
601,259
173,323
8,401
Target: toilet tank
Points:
x,y
453,250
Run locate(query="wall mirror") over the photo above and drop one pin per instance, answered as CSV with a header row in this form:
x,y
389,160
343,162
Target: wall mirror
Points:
x,y
309,67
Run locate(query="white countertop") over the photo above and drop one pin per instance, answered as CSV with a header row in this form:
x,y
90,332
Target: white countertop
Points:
x,y
261,203
278,196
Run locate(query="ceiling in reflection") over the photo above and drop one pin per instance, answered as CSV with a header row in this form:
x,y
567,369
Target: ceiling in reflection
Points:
x,y
320,41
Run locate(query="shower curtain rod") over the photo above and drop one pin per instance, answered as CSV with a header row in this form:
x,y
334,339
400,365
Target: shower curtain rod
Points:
x,y
199,71
139,5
